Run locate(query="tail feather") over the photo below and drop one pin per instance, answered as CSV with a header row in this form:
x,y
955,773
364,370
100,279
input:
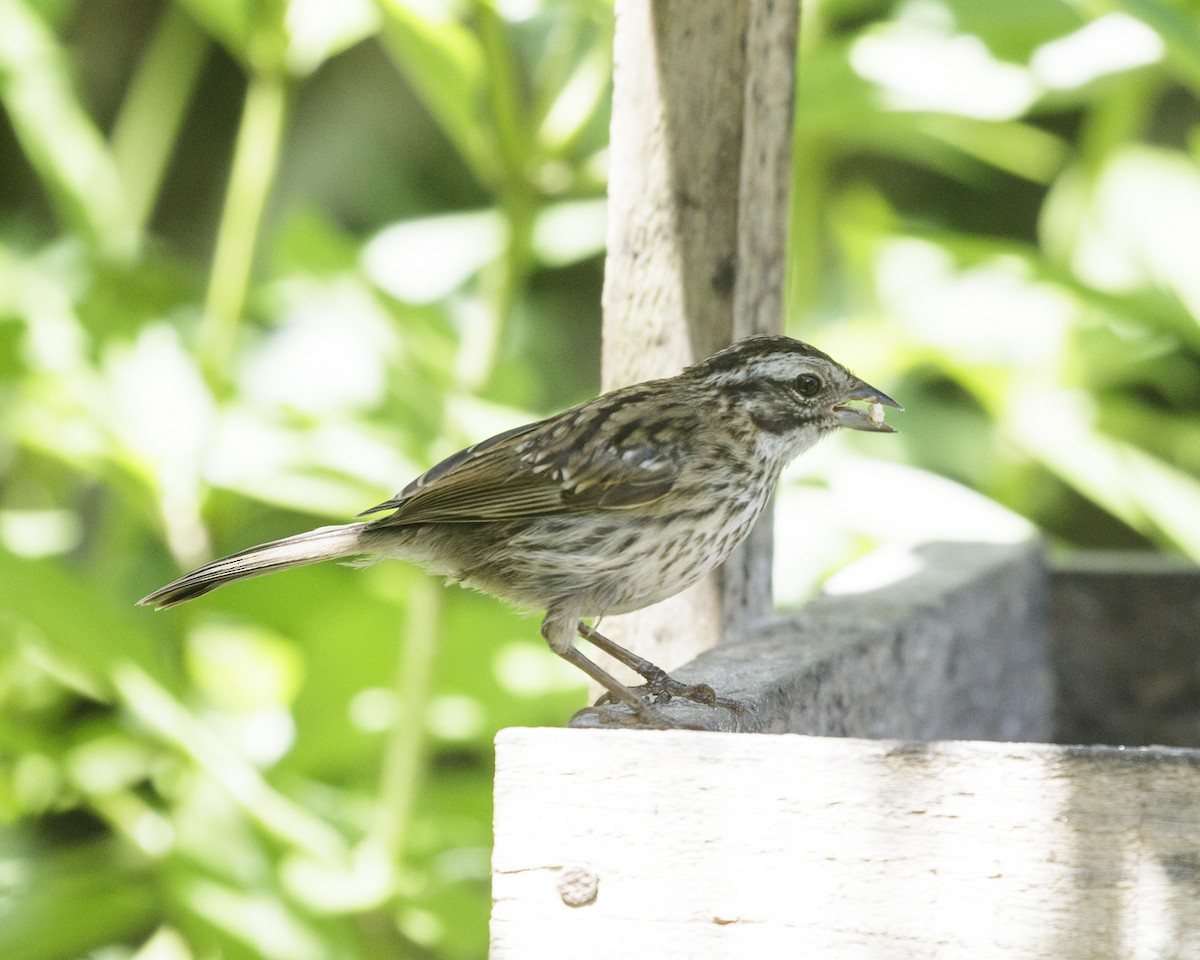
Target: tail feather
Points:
x,y
324,543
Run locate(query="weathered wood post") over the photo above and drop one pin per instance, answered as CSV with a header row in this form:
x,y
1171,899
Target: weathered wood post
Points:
x,y
698,200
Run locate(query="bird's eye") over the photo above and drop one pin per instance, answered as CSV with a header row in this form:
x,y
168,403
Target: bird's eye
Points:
x,y
808,385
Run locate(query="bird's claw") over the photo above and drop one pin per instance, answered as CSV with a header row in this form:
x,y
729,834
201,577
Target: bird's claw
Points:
x,y
662,688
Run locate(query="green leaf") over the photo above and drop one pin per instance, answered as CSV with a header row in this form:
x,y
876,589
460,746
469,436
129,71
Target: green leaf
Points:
x,y
444,64
1058,429
1178,30
57,135
1015,28
318,31
253,31
71,900
80,622
147,128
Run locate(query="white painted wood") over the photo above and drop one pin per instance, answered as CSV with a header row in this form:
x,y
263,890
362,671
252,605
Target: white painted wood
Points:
x,y
708,845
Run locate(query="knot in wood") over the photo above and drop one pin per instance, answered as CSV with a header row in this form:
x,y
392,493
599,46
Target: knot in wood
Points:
x,y
577,886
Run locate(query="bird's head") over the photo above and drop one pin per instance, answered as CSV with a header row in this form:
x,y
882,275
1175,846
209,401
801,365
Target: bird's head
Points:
x,y
793,391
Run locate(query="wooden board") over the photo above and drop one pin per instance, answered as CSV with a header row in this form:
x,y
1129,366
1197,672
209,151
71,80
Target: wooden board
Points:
x,y
711,845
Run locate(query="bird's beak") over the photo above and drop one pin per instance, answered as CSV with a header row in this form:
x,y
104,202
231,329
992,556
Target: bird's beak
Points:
x,y
869,418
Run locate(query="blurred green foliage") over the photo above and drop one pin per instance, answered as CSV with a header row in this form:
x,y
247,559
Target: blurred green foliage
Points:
x,y
997,215
262,261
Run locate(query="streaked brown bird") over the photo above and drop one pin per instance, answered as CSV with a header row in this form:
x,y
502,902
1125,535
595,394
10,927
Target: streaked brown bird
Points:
x,y
606,508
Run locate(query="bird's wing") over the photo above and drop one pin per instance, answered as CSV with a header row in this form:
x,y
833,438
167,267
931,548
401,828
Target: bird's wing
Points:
x,y
449,465
566,464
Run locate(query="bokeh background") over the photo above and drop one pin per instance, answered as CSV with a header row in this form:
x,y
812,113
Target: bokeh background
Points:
x,y
263,261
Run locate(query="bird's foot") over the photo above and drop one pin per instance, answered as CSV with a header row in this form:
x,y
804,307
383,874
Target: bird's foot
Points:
x,y
661,687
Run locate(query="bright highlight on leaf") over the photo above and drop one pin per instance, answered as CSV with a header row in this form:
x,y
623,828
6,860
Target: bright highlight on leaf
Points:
x,y
927,70
1111,44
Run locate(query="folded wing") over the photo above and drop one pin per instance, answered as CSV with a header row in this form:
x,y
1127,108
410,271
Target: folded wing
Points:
x,y
543,469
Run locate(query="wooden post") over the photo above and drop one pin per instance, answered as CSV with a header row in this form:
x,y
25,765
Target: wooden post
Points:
x,y
698,186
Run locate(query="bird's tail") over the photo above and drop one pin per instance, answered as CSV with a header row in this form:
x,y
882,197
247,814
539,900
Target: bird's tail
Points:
x,y
324,543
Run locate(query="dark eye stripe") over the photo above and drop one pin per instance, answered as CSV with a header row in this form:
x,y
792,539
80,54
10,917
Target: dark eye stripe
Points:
x,y
782,421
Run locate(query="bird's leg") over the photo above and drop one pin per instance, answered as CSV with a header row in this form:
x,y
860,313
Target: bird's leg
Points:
x,y
658,681
560,636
